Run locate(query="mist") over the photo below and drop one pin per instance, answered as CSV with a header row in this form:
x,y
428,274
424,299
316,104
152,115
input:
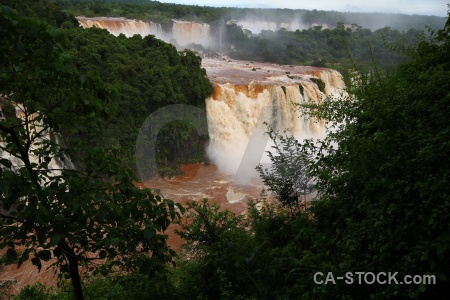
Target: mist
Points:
x,y
412,7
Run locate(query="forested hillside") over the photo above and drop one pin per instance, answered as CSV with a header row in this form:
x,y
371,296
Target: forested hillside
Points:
x,y
339,48
165,12
145,74
52,211
377,229
337,40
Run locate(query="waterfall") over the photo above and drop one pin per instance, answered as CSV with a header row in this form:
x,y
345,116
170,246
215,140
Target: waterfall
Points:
x,y
182,32
56,164
124,26
237,111
189,32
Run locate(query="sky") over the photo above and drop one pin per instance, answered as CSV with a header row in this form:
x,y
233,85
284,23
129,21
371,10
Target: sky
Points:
x,y
419,7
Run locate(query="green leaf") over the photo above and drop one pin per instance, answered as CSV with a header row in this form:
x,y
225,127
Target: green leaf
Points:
x,y
11,254
148,234
37,262
441,249
43,209
57,252
24,257
45,255
83,79
6,162
54,240
56,33
65,268
102,254
115,241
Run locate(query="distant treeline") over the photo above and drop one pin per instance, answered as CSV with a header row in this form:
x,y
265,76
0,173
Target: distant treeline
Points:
x,y
344,41
340,48
165,12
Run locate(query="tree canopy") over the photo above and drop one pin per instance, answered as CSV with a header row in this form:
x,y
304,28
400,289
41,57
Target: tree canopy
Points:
x,y
381,176
49,209
382,205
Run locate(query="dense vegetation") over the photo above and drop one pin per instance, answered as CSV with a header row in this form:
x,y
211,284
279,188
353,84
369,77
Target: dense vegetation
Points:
x,y
145,73
381,178
165,12
339,48
49,209
347,39
382,204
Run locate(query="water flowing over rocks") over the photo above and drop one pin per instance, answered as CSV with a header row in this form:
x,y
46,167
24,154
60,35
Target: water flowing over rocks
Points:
x,y
247,95
242,101
181,33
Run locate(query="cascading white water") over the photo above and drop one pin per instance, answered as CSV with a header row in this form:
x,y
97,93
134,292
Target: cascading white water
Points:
x,y
237,112
234,116
190,32
183,32
124,26
55,165
247,94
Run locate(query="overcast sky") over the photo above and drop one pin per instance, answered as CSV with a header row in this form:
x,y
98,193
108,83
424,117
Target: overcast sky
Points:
x,y
420,7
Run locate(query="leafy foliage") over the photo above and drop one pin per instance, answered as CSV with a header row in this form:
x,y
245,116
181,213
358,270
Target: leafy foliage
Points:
x,y
381,177
382,182
148,74
217,252
383,186
73,216
328,39
288,176
164,12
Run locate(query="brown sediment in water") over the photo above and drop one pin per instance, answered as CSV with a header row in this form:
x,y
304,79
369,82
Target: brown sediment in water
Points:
x,y
200,181
16,278
197,182
238,72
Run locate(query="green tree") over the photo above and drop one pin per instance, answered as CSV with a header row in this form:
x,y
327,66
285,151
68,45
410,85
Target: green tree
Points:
x,y
382,175
49,208
148,74
289,176
218,248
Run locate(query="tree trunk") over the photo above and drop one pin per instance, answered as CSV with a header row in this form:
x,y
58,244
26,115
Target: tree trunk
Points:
x,y
76,279
73,271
